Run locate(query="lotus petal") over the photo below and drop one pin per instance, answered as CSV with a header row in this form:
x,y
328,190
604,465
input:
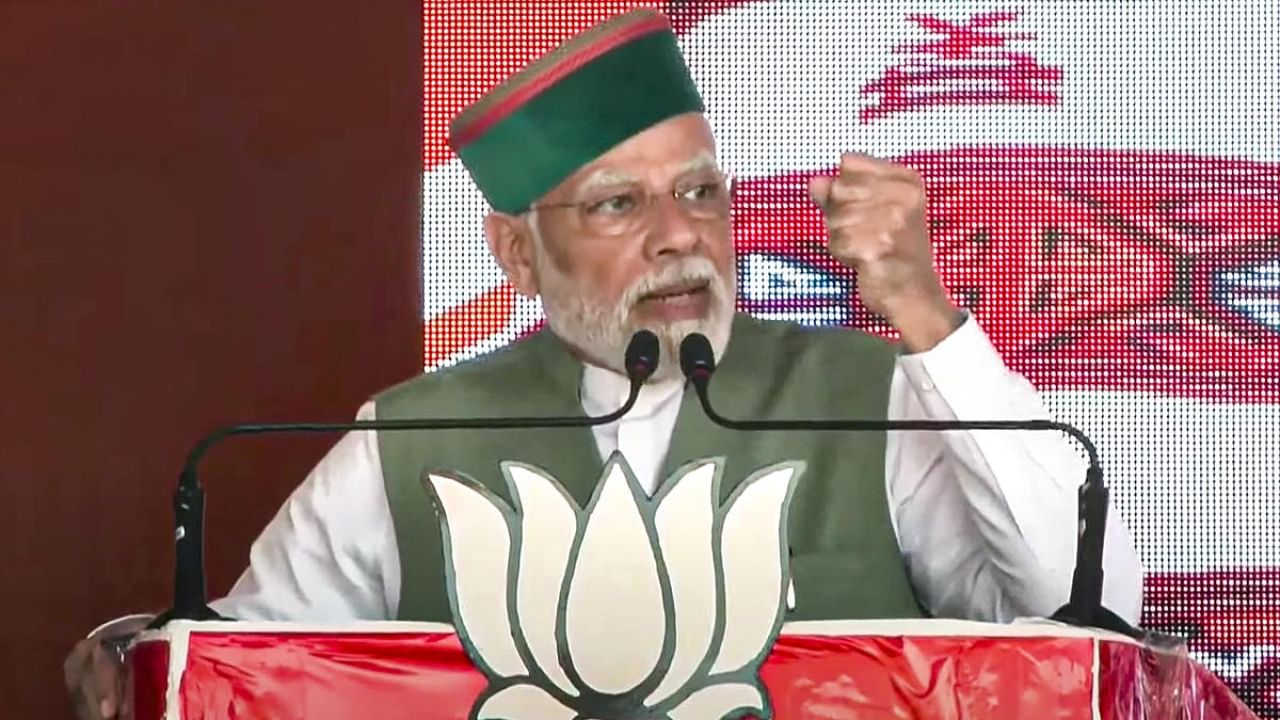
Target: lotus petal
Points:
x,y
717,701
523,702
615,621
684,519
548,524
752,548
477,552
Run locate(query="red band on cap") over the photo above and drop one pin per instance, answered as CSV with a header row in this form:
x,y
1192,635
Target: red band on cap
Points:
x,y
565,67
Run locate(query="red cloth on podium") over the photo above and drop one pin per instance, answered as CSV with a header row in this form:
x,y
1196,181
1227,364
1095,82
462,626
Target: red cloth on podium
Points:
x,y
880,669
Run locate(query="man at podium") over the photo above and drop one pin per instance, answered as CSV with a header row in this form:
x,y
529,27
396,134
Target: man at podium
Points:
x,y
609,204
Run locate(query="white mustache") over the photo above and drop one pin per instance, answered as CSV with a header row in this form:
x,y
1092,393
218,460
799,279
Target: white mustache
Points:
x,y
688,271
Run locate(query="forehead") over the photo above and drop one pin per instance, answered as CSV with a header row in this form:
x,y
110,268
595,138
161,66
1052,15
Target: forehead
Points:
x,y
612,175
659,154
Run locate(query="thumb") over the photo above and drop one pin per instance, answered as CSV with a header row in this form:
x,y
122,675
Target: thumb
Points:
x,y
108,677
820,189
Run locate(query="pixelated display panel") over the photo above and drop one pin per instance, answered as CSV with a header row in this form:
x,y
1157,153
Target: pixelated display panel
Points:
x,y
1104,196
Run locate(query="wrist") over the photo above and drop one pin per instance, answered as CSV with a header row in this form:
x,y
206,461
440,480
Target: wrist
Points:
x,y
923,324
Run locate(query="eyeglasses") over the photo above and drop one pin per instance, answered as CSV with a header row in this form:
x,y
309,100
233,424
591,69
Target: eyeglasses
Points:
x,y
622,209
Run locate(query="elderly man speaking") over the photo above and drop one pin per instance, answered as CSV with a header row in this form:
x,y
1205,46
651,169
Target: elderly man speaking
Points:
x,y
608,204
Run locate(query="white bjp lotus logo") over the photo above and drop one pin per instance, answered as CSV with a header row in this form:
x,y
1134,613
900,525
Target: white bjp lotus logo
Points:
x,y
632,608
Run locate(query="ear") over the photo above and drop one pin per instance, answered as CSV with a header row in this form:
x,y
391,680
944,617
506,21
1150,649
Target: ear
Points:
x,y
511,243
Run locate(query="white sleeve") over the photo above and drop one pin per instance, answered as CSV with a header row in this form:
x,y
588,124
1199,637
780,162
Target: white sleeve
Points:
x,y
330,554
987,519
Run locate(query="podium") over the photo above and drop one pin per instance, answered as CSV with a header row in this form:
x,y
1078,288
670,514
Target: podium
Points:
x,y
847,669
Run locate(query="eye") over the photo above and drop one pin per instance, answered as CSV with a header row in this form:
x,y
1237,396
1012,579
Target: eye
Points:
x,y
617,204
702,192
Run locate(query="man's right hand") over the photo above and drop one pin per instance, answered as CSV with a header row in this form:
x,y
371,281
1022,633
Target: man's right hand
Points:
x,y
95,674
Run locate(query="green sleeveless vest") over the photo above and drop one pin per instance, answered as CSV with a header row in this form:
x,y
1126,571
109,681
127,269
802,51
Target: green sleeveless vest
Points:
x,y
846,563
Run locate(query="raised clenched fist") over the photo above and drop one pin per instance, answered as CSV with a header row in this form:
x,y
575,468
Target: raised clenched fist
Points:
x,y
875,218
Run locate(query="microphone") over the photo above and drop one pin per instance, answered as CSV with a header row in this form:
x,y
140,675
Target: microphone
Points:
x,y
1084,608
190,601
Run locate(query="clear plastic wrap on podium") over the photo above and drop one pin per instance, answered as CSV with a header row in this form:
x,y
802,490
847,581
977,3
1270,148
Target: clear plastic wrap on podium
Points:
x,y
855,669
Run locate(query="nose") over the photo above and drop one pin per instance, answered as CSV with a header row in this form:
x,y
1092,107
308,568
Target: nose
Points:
x,y
671,230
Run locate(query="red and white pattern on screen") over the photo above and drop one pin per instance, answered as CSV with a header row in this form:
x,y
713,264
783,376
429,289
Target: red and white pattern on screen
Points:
x,y
1104,196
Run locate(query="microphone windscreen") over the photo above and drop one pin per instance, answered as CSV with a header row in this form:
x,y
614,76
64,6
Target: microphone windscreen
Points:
x,y
696,355
642,355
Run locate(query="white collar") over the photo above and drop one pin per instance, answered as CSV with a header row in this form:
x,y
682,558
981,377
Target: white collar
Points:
x,y
604,391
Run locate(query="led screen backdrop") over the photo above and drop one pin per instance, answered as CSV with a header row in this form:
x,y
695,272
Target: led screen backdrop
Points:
x,y
1104,188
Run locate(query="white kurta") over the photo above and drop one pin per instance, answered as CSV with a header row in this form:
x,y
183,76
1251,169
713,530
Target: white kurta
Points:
x,y
986,520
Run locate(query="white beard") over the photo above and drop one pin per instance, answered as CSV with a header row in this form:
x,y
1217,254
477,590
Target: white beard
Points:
x,y
601,334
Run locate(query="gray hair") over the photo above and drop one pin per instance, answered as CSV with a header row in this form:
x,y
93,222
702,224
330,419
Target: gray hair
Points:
x,y
531,218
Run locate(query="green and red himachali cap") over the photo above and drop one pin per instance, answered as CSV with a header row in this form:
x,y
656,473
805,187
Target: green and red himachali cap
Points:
x,y
571,106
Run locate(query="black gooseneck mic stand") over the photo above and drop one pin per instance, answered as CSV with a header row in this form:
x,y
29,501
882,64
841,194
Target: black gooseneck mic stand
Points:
x,y
1085,609
190,601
